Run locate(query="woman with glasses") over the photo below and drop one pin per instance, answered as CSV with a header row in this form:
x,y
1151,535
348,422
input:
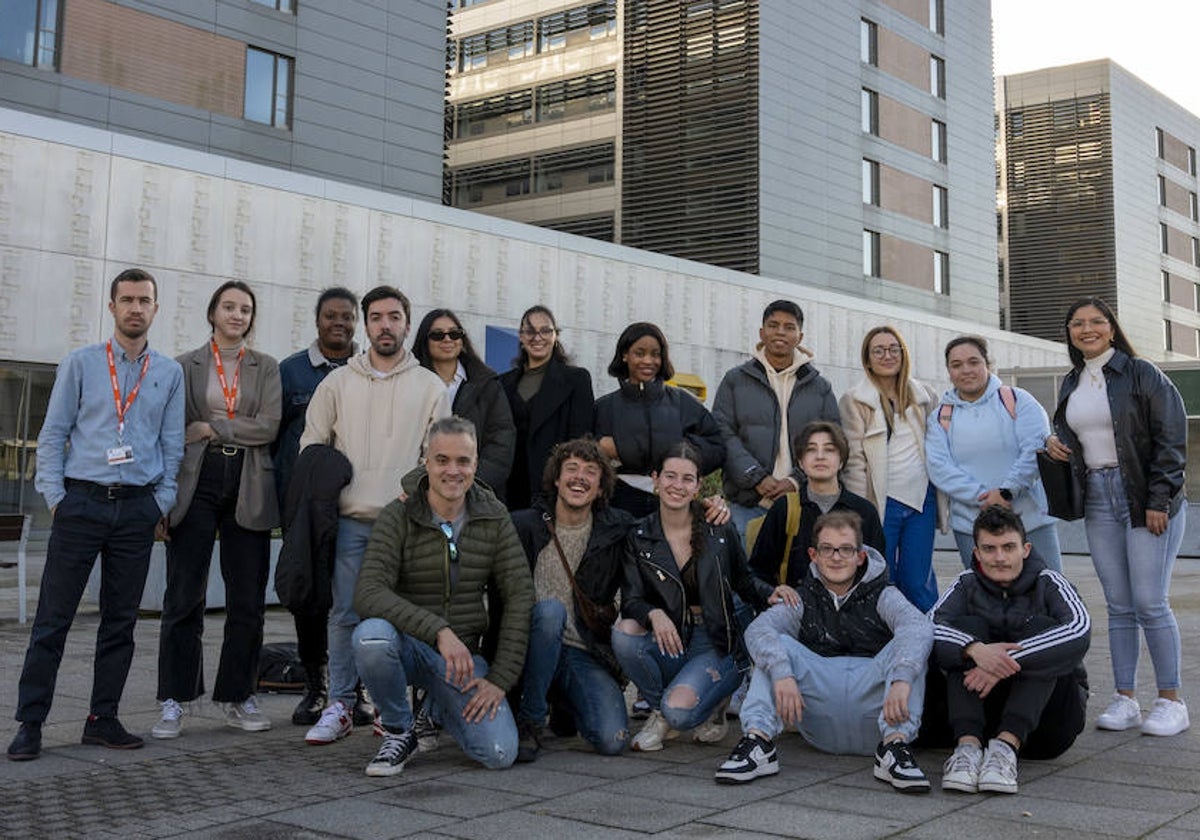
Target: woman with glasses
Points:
x,y
442,345
1121,424
677,638
981,448
226,485
550,399
884,419
637,423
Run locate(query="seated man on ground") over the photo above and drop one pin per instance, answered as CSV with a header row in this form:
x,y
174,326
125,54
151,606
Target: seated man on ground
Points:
x,y
845,665
1010,635
430,563
575,544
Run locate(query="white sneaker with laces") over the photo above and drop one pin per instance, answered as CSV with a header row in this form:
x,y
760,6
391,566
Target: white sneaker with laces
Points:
x,y
654,731
999,771
170,725
1122,713
335,723
961,770
246,716
1167,717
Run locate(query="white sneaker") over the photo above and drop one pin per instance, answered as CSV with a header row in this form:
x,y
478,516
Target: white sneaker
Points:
x,y
961,770
170,725
1167,717
654,731
999,771
1122,713
713,730
334,724
246,716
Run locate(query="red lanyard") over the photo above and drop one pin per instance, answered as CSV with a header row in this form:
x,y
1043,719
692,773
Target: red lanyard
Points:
x,y
229,394
123,408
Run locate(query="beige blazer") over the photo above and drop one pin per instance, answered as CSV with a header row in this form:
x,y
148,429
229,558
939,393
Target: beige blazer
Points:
x,y
254,427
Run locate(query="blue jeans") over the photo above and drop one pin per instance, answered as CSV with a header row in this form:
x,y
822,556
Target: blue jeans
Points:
x,y
908,534
352,538
1044,540
843,700
596,701
390,660
1134,568
710,676
741,515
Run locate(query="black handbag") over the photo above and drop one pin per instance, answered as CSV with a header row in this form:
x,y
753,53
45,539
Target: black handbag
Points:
x,y
1064,492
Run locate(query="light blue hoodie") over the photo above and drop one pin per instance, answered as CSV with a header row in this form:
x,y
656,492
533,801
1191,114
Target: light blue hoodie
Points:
x,y
984,448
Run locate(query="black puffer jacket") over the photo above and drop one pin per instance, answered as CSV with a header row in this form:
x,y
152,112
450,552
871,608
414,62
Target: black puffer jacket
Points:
x,y
646,420
481,400
854,629
652,581
1150,427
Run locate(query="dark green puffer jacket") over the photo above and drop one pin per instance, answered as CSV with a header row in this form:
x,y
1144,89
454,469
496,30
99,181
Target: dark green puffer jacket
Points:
x,y
405,576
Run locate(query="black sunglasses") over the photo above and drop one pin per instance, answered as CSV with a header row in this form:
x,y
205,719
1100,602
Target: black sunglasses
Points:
x,y
453,335
448,531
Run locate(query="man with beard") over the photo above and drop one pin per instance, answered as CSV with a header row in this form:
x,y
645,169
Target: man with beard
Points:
x,y
299,376
107,457
575,544
375,410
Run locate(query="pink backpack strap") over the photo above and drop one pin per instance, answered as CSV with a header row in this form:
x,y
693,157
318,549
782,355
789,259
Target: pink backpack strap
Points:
x,y
1009,397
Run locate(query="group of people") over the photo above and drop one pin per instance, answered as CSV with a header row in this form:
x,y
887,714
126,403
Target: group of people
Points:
x,y
486,555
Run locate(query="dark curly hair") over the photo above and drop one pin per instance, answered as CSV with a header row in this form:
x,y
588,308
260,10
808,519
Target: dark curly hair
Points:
x,y
585,449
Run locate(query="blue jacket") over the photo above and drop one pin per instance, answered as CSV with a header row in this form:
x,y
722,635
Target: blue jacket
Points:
x,y
985,447
299,375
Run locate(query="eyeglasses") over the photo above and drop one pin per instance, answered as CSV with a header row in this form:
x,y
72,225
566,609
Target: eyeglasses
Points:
x,y
544,332
1094,323
448,531
441,335
846,552
891,350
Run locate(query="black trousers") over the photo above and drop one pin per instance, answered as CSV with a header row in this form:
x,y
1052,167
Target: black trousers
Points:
x,y
245,563
121,531
312,638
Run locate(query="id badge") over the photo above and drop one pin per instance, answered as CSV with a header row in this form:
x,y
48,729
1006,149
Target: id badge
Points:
x,y
120,455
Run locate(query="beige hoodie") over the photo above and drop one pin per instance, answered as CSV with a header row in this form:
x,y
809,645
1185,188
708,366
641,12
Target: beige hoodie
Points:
x,y
378,423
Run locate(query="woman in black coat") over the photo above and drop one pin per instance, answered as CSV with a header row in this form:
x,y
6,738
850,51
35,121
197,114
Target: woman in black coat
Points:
x,y
550,400
442,345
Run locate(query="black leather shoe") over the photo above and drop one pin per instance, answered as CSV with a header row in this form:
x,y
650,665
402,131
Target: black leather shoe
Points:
x,y
108,732
27,745
308,710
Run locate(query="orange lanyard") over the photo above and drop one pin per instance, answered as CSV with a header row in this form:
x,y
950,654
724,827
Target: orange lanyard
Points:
x,y
229,394
123,407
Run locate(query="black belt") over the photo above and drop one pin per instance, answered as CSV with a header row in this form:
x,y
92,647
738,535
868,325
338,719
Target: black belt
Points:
x,y
110,492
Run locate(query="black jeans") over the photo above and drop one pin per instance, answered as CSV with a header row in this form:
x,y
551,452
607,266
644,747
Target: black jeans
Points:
x,y
121,531
312,638
245,563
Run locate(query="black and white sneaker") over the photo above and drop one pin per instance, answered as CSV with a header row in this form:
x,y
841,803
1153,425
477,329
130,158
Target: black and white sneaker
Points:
x,y
396,749
753,756
894,764
424,726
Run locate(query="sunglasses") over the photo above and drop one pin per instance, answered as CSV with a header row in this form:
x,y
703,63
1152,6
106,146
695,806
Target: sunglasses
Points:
x,y
441,335
448,532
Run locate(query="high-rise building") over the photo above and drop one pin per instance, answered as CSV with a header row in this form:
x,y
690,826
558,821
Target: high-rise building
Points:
x,y
847,145
1097,196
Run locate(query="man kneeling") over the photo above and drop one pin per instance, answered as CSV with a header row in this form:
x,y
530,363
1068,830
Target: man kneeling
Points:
x,y
845,664
1010,636
431,560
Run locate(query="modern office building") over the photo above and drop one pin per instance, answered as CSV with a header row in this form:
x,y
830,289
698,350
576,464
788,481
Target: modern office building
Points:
x,y
846,145
1097,196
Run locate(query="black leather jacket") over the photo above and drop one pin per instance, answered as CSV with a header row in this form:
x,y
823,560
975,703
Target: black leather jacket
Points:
x,y
652,581
1150,427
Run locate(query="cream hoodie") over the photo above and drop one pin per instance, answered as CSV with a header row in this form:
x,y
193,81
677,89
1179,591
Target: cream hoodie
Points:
x,y
378,423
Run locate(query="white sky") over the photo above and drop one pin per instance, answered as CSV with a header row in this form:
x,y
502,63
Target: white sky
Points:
x,y
1155,40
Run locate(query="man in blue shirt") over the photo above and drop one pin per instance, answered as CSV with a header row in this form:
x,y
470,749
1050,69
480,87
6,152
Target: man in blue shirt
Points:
x,y
300,374
107,459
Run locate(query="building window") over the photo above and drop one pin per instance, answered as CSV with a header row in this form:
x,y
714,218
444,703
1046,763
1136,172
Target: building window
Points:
x,y
1159,143
937,76
506,44
29,32
871,253
1191,154
496,115
941,272
1164,240
870,182
1016,123
1166,286
268,97
937,16
281,5
941,206
591,22
868,47
577,97
1195,251
1162,191
870,111
938,141
1193,208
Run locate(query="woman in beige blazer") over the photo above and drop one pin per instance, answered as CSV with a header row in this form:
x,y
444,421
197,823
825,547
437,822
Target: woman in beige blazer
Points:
x,y
884,419
226,486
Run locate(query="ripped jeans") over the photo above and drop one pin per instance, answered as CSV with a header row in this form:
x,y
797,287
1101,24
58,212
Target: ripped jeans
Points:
x,y
388,661
667,681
